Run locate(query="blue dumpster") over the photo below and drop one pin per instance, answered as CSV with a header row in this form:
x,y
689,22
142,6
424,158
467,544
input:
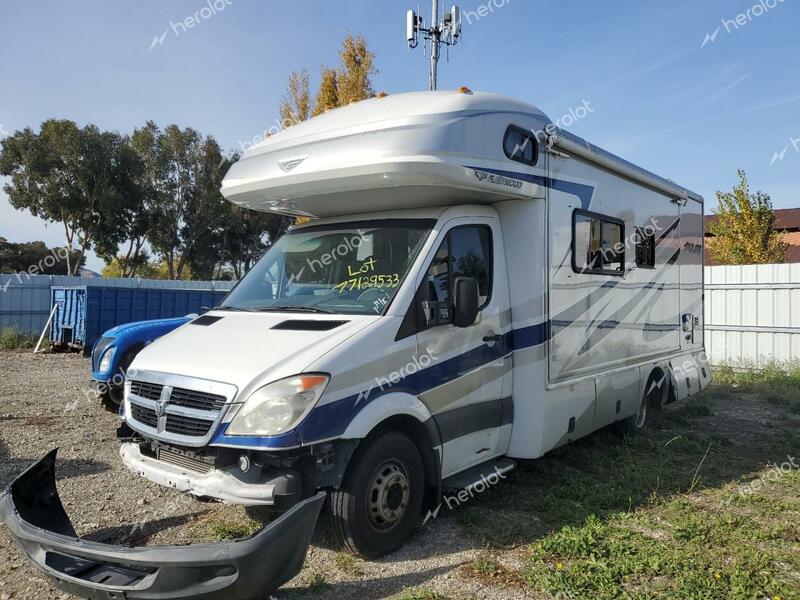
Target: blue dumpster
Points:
x,y
84,313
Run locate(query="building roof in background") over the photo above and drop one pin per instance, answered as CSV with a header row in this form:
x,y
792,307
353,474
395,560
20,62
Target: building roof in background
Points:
x,y
786,219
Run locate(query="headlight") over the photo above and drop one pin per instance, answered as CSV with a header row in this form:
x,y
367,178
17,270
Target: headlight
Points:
x,y
105,361
279,406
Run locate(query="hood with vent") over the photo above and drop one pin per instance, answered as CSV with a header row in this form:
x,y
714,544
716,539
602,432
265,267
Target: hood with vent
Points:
x,y
239,347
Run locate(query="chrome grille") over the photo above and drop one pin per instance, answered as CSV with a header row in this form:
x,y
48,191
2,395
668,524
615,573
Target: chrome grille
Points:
x,y
144,415
182,411
198,400
143,389
187,425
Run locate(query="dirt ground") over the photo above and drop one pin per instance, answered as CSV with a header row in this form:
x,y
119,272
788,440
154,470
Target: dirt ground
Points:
x,y
45,402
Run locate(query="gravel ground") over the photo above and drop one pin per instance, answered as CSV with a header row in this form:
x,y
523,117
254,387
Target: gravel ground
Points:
x,y
45,402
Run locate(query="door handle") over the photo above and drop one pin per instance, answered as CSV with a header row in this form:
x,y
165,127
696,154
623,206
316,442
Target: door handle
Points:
x,y
492,339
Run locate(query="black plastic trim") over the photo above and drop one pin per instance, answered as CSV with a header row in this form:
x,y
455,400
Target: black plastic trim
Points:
x,y
237,570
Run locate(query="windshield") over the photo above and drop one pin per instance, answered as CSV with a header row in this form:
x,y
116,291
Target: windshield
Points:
x,y
353,268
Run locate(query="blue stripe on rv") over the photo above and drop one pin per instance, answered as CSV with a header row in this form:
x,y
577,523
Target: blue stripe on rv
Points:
x,y
330,420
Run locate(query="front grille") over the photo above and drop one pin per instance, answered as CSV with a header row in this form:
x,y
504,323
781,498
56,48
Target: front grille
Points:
x,y
181,425
144,389
144,415
186,461
181,415
198,400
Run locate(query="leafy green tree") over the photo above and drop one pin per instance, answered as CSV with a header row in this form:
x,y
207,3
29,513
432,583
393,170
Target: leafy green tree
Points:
x,y
81,178
185,204
744,230
247,235
35,258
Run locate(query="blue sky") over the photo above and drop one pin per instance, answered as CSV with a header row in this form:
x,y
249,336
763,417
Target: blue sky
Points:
x,y
692,114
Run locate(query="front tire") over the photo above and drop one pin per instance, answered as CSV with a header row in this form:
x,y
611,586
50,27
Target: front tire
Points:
x,y
379,505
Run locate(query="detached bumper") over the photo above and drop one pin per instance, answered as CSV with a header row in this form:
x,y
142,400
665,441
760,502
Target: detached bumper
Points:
x,y
239,570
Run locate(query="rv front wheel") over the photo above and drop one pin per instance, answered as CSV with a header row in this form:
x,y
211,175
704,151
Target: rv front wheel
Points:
x,y
378,507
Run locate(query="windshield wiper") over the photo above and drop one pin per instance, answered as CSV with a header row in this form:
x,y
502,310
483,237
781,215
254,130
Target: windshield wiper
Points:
x,y
235,308
310,309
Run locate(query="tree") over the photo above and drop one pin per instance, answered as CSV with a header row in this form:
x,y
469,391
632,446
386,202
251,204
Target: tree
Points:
x,y
185,177
744,230
296,104
247,235
35,258
350,81
354,80
328,93
81,178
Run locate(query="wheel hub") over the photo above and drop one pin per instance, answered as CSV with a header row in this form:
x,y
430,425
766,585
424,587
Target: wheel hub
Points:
x,y
389,494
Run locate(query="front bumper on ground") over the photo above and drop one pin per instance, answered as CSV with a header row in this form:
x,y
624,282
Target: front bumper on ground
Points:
x,y
221,485
238,570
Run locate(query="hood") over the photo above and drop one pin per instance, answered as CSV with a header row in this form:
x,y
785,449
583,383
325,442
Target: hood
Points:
x,y
239,347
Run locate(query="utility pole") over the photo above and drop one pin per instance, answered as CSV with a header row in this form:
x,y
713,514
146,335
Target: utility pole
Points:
x,y
447,31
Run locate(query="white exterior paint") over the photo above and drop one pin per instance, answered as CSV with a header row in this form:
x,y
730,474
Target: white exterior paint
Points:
x,y
554,354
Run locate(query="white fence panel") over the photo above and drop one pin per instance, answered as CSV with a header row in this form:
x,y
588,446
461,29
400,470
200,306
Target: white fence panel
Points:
x,y
752,314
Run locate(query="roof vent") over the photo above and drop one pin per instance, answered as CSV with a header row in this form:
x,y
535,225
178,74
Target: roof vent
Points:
x,y
309,325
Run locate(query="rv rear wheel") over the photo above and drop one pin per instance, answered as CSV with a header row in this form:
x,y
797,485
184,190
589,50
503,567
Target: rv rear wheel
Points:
x,y
378,506
650,407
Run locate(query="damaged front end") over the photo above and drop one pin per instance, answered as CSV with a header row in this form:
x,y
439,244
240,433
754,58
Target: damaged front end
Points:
x,y
237,570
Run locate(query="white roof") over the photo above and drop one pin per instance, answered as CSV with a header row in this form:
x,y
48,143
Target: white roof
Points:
x,y
402,151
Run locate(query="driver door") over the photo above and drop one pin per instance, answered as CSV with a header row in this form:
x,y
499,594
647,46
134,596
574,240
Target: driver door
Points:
x,y
469,388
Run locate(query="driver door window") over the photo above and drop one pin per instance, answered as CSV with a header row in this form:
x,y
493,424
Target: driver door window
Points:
x,y
465,252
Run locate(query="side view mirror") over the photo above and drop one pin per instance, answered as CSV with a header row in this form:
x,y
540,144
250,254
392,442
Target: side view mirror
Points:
x,y
467,301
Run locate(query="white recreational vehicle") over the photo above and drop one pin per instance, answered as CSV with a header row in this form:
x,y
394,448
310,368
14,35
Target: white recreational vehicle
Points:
x,y
477,286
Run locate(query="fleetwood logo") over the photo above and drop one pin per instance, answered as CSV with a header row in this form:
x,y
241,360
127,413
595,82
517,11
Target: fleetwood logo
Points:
x,y
498,179
290,163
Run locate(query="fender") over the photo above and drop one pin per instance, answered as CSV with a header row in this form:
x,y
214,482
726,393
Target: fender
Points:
x,y
382,408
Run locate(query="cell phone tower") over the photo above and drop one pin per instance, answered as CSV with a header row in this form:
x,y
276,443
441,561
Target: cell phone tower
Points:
x,y
447,32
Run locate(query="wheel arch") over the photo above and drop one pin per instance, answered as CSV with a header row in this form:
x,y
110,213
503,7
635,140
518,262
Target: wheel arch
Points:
x,y
405,414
